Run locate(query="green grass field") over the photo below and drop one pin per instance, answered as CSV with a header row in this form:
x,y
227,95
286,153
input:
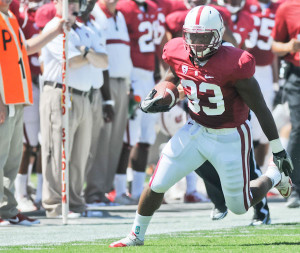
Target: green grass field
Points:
x,y
272,238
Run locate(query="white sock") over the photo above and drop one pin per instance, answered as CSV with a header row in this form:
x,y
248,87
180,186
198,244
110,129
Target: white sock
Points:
x,y
129,173
30,166
137,184
39,188
21,186
191,183
120,183
140,225
274,174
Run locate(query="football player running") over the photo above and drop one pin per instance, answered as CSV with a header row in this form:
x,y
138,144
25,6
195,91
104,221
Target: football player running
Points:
x,y
218,81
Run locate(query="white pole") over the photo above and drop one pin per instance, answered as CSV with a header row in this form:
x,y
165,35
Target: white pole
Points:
x,y
65,100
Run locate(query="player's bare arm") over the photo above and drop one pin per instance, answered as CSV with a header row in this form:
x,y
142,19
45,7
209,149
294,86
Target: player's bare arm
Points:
x,y
250,92
171,76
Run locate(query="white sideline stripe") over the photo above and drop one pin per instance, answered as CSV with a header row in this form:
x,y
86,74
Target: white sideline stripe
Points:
x,y
172,95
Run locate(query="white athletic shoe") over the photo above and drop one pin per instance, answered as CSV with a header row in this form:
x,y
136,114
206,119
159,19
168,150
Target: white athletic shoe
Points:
x,y
217,214
129,240
26,205
284,186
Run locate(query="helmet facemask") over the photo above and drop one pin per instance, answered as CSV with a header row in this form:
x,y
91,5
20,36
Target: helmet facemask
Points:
x,y
202,42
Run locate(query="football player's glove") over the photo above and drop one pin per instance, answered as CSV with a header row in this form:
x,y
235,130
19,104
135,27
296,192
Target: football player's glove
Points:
x,y
149,104
283,162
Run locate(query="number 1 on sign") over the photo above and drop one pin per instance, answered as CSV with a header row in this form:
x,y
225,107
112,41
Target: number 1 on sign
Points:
x,y
22,67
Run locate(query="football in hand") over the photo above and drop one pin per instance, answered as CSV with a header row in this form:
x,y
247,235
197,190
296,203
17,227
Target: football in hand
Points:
x,y
169,93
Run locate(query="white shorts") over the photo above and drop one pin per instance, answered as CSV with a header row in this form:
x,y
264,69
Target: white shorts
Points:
x,y
228,150
32,119
142,127
264,77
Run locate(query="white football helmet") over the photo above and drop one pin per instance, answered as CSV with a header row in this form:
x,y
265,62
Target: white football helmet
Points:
x,y
233,6
203,30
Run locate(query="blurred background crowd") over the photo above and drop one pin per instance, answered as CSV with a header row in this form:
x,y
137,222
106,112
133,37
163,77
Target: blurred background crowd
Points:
x,y
114,56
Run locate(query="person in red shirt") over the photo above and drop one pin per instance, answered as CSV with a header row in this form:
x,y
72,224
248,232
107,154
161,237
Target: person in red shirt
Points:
x,y
266,73
15,9
242,22
286,35
218,81
140,17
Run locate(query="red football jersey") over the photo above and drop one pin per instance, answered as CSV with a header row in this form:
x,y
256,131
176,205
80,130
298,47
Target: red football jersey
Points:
x,y
30,29
242,27
213,100
163,8
140,26
14,8
175,20
177,5
169,6
260,40
251,6
287,27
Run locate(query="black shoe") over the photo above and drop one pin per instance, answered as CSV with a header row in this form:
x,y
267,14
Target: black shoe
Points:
x,y
263,221
217,214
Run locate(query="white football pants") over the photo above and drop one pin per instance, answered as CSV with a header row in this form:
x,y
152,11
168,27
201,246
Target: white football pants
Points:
x,y
227,150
